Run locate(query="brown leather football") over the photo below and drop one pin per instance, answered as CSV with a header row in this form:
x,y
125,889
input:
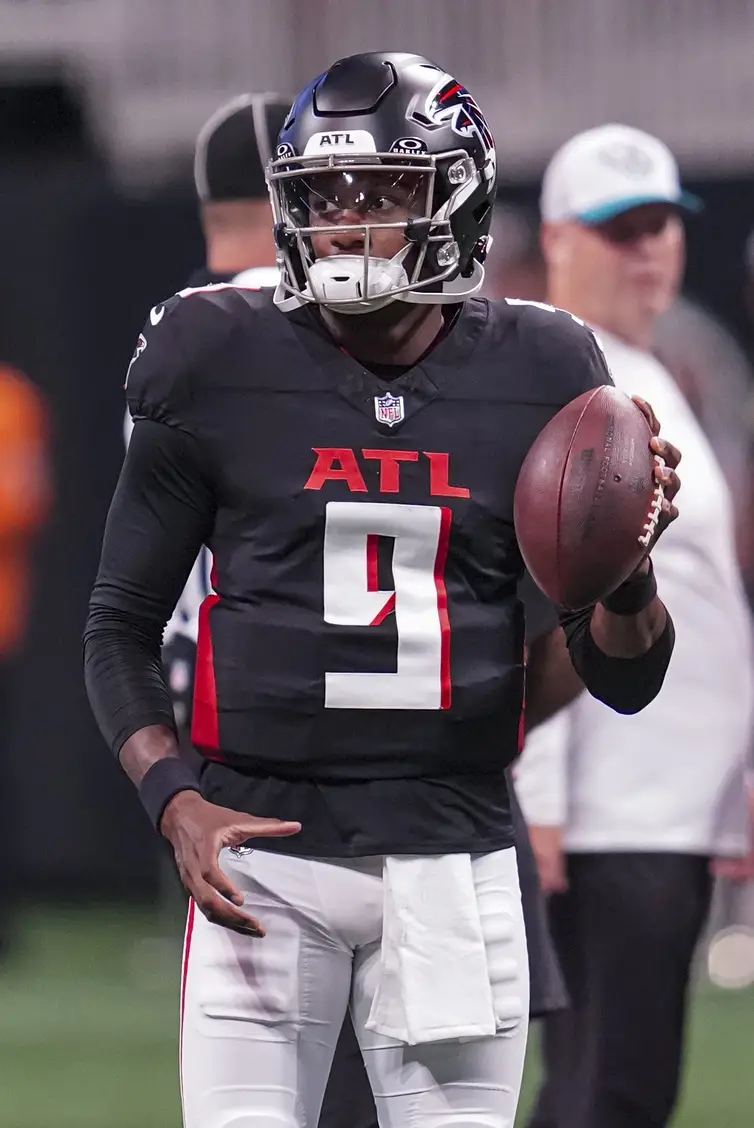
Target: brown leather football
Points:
x,y
587,502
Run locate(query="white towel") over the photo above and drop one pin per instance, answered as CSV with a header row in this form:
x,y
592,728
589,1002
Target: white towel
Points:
x,y
434,980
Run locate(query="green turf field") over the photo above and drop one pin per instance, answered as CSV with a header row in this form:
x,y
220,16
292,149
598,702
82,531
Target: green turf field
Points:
x,y
88,1018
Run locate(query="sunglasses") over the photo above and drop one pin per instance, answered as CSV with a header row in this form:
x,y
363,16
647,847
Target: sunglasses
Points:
x,y
633,225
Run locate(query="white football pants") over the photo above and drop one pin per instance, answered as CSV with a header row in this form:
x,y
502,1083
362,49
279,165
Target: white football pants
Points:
x,y
260,1018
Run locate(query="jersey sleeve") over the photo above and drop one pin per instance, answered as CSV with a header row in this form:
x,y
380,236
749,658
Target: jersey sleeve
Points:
x,y
167,377
161,514
159,375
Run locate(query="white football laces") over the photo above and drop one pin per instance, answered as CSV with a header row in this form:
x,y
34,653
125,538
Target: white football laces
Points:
x,y
650,526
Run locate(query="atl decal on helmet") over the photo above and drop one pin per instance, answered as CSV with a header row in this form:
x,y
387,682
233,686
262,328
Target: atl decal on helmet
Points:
x,y
340,141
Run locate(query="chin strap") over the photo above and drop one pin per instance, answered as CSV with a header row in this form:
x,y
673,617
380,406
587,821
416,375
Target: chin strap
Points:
x,y
448,294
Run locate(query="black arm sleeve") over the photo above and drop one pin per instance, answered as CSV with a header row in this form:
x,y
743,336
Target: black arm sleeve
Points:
x,y
161,514
626,685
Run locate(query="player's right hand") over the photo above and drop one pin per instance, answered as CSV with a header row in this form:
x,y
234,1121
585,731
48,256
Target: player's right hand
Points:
x,y
547,844
198,831
666,461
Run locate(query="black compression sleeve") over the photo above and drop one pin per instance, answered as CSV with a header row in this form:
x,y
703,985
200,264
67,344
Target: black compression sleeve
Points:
x,y
626,685
161,514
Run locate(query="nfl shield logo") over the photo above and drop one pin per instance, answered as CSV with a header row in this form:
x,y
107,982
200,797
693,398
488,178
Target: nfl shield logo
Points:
x,y
388,409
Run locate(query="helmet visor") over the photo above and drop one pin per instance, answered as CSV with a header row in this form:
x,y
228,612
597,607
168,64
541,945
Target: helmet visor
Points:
x,y
379,205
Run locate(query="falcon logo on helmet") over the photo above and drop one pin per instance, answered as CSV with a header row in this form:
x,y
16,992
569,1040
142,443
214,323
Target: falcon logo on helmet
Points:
x,y
451,102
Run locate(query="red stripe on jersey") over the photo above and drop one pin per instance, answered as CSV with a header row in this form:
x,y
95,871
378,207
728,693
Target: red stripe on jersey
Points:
x,y
184,978
205,727
373,582
383,614
373,579
442,607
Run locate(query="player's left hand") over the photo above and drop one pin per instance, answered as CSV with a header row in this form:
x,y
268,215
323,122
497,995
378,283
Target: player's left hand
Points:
x,y
667,458
198,830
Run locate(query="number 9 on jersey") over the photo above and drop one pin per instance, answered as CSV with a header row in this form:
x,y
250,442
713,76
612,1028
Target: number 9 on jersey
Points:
x,y
353,598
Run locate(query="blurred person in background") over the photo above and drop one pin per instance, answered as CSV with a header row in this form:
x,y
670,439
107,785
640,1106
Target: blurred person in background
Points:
x,y
231,153
25,492
627,813
715,376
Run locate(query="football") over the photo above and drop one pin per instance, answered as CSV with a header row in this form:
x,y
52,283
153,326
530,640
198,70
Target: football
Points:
x,y
587,503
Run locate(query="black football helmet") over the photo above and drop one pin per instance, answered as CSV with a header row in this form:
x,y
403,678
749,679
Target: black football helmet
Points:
x,y
403,122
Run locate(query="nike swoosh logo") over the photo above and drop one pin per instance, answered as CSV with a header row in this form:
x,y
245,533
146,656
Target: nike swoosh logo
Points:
x,y
156,315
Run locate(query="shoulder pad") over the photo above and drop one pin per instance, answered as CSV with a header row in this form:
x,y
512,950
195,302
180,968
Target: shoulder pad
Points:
x,y
568,354
543,317
176,339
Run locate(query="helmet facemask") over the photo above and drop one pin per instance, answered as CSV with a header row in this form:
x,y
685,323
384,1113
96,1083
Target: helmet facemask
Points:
x,y
415,194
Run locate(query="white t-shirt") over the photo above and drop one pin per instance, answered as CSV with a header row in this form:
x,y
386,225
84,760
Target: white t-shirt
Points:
x,y
185,617
671,777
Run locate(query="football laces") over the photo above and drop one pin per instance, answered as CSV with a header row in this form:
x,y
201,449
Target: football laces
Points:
x,y
650,525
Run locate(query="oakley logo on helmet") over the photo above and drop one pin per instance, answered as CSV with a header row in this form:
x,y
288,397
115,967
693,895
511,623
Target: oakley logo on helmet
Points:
x,y
284,150
451,102
409,145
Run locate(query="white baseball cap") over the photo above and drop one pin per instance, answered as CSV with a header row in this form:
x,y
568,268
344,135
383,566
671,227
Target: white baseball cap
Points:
x,y
608,170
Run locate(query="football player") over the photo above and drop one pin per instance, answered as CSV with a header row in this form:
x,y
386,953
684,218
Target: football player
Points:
x,y
348,450
232,151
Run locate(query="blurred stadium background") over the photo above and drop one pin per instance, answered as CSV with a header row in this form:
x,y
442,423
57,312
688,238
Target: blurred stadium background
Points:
x,y
100,102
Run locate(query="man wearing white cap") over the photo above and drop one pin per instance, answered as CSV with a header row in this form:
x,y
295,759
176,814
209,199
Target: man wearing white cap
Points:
x,y
628,812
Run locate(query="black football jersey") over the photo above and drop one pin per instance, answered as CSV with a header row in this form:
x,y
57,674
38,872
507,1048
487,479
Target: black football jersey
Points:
x,y
365,623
